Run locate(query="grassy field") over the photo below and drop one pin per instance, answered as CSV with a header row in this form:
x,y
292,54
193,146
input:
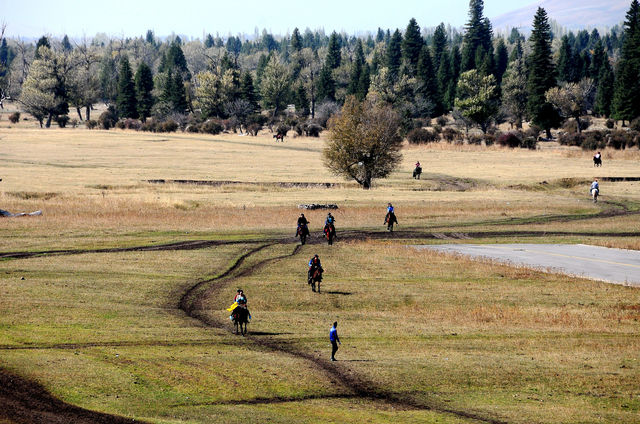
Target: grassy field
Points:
x,y
426,337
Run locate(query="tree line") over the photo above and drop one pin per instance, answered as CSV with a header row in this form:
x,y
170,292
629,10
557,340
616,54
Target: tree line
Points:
x,y
479,77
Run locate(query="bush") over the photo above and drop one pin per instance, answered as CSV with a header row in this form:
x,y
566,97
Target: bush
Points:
x,y
635,124
442,120
283,129
490,139
475,139
610,123
62,120
533,131
421,135
193,128
120,125
620,139
437,129
14,117
211,126
254,128
132,124
168,126
451,135
91,124
108,118
257,119
299,128
594,140
529,143
510,139
570,127
313,130
73,123
570,139
585,123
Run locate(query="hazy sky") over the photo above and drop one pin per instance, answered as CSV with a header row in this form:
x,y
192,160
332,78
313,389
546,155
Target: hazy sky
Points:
x,y
194,17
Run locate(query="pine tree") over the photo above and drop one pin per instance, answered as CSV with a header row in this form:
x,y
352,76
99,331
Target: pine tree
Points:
x,y
333,59
502,60
326,85
626,99
412,46
604,91
444,80
178,94
394,55
439,44
143,83
514,90
209,41
296,40
42,42
66,44
541,74
126,100
477,36
356,69
428,81
598,61
567,70
363,83
248,91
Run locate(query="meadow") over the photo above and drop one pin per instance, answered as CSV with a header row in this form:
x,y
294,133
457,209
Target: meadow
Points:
x,y
129,317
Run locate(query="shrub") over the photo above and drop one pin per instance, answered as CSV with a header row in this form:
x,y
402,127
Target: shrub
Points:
x,y
14,117
421,135
622,139
570,139
108,118
510,139
168,126
594,140
73,123
451,135
533,131
610,123
570,127
132,124
437,129
257,119
325,110
211,126
635,124
91,124
313,130
299,128
120,125
442,120
475,139
529,143
585,123
254,128
62,120
150,125
490,139
283,129
193,128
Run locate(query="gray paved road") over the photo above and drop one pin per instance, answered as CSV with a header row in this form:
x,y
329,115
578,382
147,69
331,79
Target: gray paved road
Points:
x,y
598,263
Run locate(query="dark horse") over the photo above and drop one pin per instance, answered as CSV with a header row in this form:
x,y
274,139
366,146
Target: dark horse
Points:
x,y
390,219
597,160
303,233
279,137
329,232
315,276
240,316
417,172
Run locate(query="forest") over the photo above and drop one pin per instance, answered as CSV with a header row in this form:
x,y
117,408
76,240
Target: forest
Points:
x,y
299,80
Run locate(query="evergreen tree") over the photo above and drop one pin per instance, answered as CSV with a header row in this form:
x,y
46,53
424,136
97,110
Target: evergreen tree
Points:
x,y
150,39
439,44
248,91
412,46
42,42
177,95
126,100
567,70
626,100
300,100
356,69
502,60
66,44
394,55
296,40
517,52
175,61
428,81
209,41
143,83
604,91
598,61
444,79
326,85
334,57
477,37
541,74
363,83
380,35
514,91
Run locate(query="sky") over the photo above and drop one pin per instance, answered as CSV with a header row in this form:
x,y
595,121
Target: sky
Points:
x,y
33,18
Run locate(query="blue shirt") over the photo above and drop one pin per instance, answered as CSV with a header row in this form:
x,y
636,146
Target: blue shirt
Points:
x,y
390,209
595,185
333,334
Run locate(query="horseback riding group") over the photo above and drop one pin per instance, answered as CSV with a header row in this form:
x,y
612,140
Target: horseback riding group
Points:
x,y
329,230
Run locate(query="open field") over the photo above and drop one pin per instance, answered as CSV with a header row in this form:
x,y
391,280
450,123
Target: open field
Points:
x,y
130,318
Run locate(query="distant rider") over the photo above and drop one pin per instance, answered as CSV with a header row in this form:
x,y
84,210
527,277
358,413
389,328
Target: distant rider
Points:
x,y
302,224
595,186
330,220
314,264
597,159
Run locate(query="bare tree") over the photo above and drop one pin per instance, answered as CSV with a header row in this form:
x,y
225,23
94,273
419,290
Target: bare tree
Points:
x,y
573,100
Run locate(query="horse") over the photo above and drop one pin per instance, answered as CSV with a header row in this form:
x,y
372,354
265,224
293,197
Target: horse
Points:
x,y
390,219
597,160
329,232
303,233
315,276
279,137
595,193
240,316
417,172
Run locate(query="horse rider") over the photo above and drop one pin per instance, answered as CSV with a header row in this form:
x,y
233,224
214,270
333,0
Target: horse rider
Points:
x,y
330,220
417,170
240,298
594,186
314,264
597,159
302,223
389,208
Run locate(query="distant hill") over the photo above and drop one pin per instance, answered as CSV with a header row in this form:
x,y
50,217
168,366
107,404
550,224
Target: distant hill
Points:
x,y
572,14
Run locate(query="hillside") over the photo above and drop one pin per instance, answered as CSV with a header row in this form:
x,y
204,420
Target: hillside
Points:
x,y
569,13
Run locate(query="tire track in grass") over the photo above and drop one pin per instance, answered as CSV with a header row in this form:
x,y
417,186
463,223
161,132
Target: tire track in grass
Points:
x,y
355,385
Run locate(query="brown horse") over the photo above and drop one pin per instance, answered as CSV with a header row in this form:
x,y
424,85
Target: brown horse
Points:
x,y
240,317
279,137
330,233
315,276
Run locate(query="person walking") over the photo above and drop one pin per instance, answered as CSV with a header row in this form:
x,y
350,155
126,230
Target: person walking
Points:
x,y
334,339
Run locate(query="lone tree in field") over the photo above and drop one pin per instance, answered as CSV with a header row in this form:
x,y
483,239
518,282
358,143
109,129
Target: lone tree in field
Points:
x,y
572,100
363,142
